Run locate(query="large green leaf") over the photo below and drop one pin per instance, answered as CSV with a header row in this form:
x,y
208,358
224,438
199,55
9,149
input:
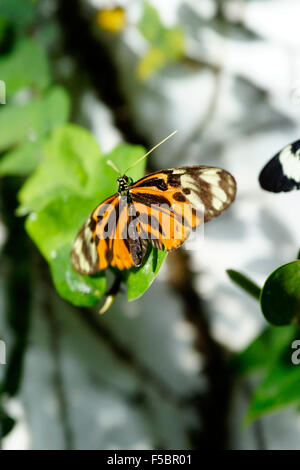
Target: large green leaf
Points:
x,y
138,280
78,289
280,296
73,163
26,66
34,119
71,158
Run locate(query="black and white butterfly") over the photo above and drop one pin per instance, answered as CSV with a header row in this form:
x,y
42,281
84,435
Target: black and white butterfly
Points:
x,y
282,172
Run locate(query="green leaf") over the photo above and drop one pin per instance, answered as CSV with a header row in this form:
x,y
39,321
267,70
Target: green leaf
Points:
x,y
280,388
34,119
22,160
138,280
150,63
244,282
173,44
167,44
80,290
71,156
20,13
58,222
73,163
280,296
150,24
26,66
265,350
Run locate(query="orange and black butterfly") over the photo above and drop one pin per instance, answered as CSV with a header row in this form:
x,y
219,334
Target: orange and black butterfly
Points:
x,y
160,209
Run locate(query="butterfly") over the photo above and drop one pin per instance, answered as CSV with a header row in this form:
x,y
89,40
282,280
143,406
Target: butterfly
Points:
x,y
160,209
282,172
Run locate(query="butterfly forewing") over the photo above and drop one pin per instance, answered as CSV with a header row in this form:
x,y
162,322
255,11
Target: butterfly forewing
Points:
x,y
161,209
204,188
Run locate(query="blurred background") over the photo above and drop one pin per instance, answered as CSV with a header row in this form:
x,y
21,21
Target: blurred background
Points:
x,y
167,371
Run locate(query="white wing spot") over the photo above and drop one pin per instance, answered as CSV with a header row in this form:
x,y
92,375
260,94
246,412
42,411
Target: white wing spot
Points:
x,y
188,181
217,204
290,163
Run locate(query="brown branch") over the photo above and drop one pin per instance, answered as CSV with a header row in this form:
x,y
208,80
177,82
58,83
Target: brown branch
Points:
x,y
126,357
213,407
55,349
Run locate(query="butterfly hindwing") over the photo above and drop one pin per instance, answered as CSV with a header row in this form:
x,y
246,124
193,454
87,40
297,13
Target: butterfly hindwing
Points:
x,y
103,239
282,172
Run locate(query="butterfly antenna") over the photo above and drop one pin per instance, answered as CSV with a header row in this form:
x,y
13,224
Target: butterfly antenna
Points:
x,y
150,151
113,166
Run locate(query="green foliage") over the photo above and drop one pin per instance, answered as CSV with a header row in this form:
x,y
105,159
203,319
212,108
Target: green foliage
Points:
x,y
19,13
264,351
26,66
146,274
166,44
67,185
280,296
271,352
279,388
34,119
72,286
22,160
26,126
68,174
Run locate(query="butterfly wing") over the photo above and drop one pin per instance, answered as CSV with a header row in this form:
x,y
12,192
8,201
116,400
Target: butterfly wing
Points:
x,y
103,239
282,172
161,209
172,202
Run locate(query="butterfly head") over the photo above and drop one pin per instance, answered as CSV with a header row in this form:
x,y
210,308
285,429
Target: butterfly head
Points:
x,y
124,183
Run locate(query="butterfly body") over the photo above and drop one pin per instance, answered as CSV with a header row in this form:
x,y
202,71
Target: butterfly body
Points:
x,y
160,209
